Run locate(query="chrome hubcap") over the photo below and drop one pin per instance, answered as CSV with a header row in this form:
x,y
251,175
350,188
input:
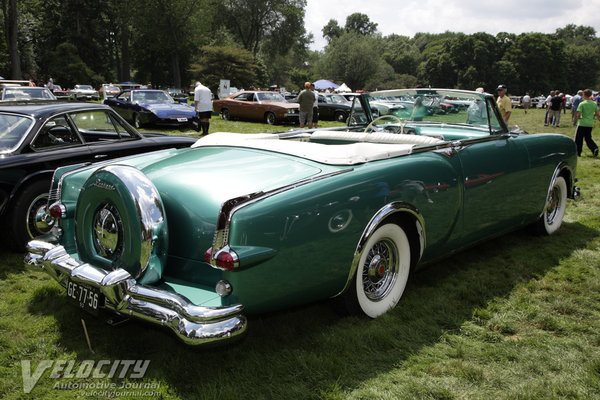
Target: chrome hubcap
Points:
x,y
38,221
108,231
380,270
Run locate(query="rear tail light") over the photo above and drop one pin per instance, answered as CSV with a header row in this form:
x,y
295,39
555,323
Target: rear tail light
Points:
x,y
57,210
225,258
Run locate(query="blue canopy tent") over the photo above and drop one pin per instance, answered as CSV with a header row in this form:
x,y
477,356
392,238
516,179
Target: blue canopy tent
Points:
x,y
323,84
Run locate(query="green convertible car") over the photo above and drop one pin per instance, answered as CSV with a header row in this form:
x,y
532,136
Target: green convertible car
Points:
x,y
195,239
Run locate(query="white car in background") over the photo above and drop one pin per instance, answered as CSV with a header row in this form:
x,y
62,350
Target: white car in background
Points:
x,y
85,92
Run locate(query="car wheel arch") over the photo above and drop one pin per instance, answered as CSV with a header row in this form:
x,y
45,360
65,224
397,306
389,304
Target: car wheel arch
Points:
x,y
399,213
270,117
28,180
31,193
388,250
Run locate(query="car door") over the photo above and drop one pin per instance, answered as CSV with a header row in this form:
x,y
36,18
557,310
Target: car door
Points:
x,y
496,185
325,109
105,136
235,105
55,144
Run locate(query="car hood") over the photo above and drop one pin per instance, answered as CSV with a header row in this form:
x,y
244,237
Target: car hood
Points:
x,y
85,91
164,110
194,183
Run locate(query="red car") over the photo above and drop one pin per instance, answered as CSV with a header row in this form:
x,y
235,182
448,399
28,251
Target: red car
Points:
x,y
269,107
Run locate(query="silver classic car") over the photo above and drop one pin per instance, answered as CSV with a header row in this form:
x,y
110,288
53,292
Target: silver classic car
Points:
x,y
196,239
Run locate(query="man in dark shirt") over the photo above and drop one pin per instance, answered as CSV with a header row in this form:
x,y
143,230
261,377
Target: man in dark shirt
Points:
x,y
555,106
306,99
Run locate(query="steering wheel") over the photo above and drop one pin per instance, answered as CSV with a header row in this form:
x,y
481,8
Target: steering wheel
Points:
x,y
370,126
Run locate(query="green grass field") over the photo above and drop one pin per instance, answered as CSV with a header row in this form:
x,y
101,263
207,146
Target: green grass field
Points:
x,y
515,318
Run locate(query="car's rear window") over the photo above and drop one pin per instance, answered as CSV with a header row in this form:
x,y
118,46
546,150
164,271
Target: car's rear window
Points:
x,y
13,129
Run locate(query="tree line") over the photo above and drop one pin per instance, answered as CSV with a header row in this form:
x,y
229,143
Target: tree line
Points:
x,y
262,43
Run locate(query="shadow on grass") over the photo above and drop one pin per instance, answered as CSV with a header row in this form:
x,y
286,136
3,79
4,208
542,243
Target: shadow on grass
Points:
x,y
310,351
11,262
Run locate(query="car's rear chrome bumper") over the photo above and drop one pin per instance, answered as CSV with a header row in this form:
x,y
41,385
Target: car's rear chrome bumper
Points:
x,y
195,325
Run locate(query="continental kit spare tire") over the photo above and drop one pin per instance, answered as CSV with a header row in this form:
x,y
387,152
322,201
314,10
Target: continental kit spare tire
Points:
x,y
120,223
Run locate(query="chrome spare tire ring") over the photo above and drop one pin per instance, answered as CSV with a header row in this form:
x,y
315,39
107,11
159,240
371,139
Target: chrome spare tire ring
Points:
x,y
120,223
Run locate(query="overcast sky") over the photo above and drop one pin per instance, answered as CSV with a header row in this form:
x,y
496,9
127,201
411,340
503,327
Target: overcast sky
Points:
x,y
407,17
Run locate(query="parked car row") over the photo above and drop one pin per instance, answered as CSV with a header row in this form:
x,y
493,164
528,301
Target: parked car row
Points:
x,y
195,239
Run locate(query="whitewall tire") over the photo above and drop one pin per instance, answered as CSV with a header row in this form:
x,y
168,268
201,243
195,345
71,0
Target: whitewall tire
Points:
x,y
383,270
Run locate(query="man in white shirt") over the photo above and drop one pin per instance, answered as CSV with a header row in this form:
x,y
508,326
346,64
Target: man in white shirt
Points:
x,y
203,106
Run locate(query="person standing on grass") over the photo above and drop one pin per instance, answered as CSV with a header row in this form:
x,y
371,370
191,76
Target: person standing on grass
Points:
x,y
306,100
575,101
526,100
547,106
203,106
555,106
586,111
504,104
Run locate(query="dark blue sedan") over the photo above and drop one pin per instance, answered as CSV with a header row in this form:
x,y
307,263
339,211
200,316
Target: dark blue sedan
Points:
x,y
147,106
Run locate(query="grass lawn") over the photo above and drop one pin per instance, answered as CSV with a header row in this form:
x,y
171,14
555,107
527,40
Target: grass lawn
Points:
x,y
516,318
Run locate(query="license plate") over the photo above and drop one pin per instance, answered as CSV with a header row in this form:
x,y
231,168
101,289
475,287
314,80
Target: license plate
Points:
x,y
181,119
87,297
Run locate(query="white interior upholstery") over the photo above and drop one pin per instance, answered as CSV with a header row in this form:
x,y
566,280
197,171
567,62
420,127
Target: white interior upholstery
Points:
x,y
376,137
338,154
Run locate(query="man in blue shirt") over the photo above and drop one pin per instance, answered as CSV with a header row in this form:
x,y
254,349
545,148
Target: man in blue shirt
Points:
x,y
574,104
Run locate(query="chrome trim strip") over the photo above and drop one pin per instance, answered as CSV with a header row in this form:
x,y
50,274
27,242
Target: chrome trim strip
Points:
x,y
194,325
375,222
231,206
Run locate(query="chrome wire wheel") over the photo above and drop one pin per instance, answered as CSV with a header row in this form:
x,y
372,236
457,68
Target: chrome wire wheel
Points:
x,y
380,270
383,270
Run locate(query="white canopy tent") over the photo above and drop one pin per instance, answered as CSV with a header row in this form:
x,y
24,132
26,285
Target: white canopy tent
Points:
x,y
343,89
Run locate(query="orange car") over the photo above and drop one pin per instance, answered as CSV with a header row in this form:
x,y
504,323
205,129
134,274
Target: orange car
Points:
x,y
269,107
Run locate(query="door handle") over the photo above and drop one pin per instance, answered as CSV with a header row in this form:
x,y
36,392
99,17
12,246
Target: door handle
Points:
x,y
98,156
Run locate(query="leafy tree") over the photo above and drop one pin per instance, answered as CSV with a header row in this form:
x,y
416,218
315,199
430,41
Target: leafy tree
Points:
x,y
361,24
255,21
539,63
577,34
163,46
352,58
231,63
401,54
69,69
10,14
332,30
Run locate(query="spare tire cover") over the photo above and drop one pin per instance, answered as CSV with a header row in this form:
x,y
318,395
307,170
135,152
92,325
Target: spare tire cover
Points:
x,y
120,223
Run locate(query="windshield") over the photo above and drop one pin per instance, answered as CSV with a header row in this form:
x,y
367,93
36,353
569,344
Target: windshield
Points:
x,y
84,87
435,106
27,93
336,99
13,129
270,97
154,96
